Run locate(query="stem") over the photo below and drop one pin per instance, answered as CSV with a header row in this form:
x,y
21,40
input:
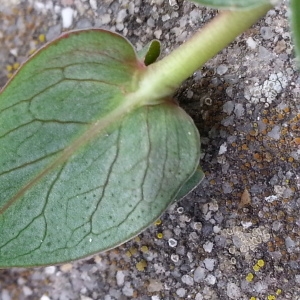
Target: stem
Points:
x,y
163,77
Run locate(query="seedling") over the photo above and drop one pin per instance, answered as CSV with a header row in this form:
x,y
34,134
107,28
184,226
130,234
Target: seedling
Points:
x,y
93,148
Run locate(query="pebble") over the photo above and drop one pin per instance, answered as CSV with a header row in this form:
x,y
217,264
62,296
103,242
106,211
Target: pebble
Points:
x,y
50,270
210,279
199,274
154,286
228,107
5,295
199,297
187,279
122,14
290,244
27,291
120,277
67,14
251,43
266,33
209,263
275,133
223,148
83,23
208,246
181,292
233,291
222,69
127,290
53,32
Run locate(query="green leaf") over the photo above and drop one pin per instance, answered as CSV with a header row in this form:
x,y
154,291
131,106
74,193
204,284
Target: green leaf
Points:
x,y
86,162
150,53
191,184
295,24
234,4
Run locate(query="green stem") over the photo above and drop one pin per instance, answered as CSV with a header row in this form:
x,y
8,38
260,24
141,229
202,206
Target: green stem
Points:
x,y
163,77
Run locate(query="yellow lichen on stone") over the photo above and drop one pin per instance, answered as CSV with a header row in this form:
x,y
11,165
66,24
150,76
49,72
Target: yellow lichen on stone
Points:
x,y
159,235
249,277
157,222
42,38
261,263
256,268
144,249
141,265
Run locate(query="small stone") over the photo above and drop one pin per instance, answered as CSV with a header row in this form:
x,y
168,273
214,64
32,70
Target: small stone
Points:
x,y
122,14
228,107
154,286
105,19
93,4
53,32
198,296
199,274
187,279
83,23
251,43
50,270
245,199
239,110
181,292
233,291
210,279
67,14
209,263
222,69
151,22
127,290
27,291
276,225
223,148
266,33
290,244
208,246
120,277
275,133
66,268
44,297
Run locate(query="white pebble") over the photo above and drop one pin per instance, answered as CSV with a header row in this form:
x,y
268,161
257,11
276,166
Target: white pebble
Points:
x,y
209,263
187,279
50,270
233,291
93,4
120,278
210,279
223,148
199,274
67,14
127,290
222,69
181,292
27,291
251,43
208,247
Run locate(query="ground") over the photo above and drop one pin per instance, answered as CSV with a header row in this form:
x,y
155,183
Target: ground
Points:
x,y
237,235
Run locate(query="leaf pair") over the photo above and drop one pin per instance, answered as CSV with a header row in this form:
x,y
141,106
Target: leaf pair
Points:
x,y
85,163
